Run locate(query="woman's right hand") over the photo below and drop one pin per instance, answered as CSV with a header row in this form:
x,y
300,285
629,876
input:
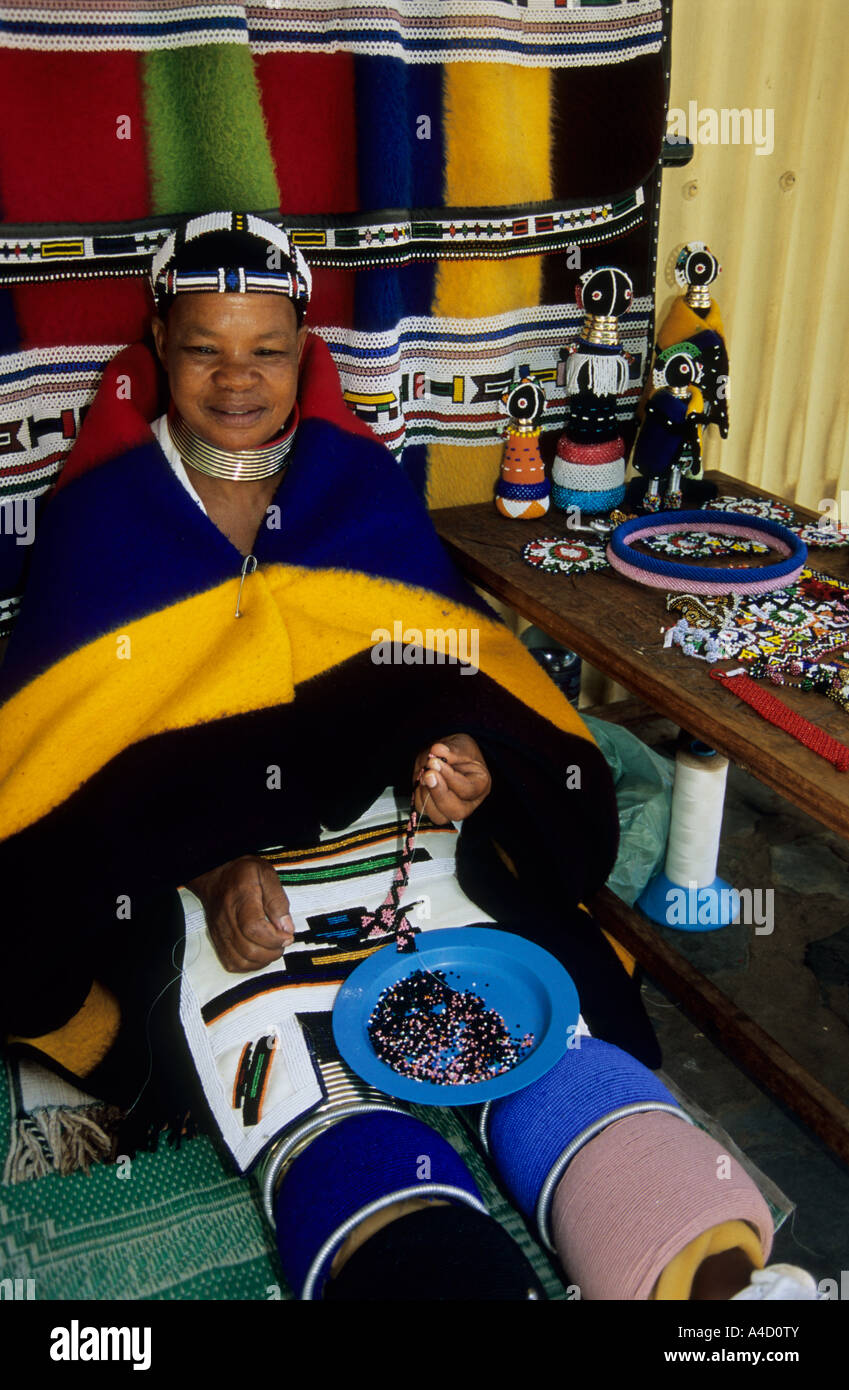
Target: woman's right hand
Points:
x,y
247,913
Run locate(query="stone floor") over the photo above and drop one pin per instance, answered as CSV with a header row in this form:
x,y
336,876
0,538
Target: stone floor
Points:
x,y
795,983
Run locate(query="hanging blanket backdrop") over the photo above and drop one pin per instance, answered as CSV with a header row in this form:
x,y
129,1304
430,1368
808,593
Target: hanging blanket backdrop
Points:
x,y
448,169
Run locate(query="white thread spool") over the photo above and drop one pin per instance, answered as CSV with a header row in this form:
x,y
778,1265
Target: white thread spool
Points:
x,y
698,799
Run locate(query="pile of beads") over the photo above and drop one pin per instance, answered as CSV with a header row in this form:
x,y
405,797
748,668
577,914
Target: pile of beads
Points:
x,y
426,1030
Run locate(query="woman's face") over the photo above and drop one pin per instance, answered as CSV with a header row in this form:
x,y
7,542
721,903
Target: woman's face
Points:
x,y
232,363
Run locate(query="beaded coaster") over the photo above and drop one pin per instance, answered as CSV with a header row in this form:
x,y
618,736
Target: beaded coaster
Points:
x,y
822,537
754,506
558,556
813,533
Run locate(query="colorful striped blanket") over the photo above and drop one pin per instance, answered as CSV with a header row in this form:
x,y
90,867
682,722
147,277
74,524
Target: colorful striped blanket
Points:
x,y
147,735
448,169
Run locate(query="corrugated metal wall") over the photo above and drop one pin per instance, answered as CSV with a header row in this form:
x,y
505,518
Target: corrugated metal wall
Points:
x,y
779,223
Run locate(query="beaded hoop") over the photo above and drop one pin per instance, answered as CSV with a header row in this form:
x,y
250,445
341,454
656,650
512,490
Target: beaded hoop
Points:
x,y
663,574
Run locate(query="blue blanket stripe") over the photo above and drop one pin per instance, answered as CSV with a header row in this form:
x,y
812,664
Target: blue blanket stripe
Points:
x,y
344,505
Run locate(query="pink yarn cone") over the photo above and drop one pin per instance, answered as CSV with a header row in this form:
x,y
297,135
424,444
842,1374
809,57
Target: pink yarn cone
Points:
x,y
633,1197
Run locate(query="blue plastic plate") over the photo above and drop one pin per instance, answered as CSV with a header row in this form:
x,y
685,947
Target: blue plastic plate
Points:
x,y
527,986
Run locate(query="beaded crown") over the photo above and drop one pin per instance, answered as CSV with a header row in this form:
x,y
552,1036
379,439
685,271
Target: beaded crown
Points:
x,y
230,253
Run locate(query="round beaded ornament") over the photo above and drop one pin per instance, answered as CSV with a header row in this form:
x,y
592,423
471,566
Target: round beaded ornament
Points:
x,y
558,556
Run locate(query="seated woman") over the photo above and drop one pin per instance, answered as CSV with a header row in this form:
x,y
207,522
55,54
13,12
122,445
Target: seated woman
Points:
x,y
194,676
195,671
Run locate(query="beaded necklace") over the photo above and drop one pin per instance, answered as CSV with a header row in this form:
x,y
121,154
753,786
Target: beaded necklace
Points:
x,y
830,678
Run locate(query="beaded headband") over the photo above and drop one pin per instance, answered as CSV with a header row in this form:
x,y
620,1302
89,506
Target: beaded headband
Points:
x,y
244,255
684,349
694,579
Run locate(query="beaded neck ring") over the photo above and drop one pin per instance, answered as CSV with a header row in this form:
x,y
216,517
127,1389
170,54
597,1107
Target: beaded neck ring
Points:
x,y
237,465
657,573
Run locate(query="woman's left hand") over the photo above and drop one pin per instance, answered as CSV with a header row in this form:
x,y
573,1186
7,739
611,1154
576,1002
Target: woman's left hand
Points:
x,y
452,777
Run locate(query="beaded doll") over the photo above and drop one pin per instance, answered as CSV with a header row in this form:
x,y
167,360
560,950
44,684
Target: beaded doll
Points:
x,y
693,322
695,318
523,489
669,442
589,470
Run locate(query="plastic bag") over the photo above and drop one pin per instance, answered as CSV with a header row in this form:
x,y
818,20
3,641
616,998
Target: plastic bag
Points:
x,y
644,797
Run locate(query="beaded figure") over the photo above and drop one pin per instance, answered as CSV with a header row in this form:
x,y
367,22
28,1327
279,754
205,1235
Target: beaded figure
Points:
x,y
695,318
589,470
523,489
693,322
669,443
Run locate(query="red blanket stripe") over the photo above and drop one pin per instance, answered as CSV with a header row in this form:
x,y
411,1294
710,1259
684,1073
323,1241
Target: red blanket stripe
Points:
x,y
60,154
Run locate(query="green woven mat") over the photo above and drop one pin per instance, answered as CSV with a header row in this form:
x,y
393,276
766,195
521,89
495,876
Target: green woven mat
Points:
x,y
178,1225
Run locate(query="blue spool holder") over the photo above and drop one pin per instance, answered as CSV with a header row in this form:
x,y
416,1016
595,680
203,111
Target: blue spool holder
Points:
x,y
687,907
705,909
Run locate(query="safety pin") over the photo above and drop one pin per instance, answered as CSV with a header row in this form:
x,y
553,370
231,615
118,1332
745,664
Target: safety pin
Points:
x,y
245,571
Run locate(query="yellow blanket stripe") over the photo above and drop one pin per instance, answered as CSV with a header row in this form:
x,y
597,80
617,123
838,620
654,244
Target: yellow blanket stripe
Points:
x,y
193,663
497,153
81,1043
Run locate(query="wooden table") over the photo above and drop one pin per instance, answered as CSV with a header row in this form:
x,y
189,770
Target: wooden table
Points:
x,y
616,626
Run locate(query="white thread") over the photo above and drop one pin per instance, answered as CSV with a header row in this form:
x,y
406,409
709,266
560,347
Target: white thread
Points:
x,y
698,799
180,972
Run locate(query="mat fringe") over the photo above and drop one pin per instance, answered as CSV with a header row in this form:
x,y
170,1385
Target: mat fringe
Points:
x,y
59,1139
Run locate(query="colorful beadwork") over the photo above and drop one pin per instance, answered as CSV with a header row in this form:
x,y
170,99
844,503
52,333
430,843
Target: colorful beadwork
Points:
x,y
767,509
816,536
426,1030
796,636
593,503
777,713
523,490
414,31
706,610
390,918
559,556
830,678
699,544
589,470
294,280
659,573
